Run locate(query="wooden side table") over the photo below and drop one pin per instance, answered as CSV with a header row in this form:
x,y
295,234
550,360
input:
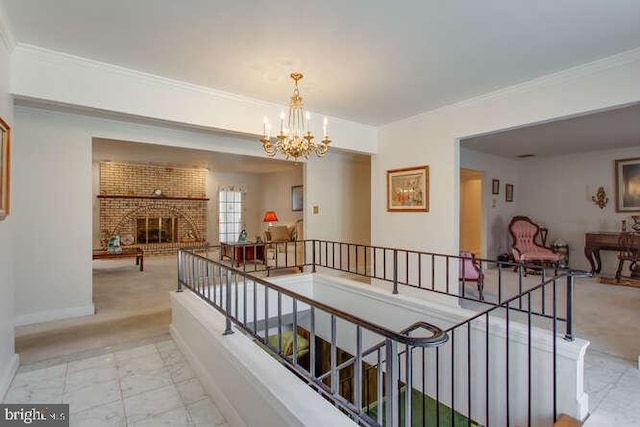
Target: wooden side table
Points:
x,y
136,253
242,252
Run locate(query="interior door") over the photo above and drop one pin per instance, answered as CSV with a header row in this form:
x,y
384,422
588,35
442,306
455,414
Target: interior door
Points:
x,y
471,211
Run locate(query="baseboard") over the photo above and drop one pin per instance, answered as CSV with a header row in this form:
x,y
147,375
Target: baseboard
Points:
x,y
228,411
47,316
7,376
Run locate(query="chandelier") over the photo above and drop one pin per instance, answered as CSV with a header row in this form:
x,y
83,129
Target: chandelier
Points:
x,y
295,139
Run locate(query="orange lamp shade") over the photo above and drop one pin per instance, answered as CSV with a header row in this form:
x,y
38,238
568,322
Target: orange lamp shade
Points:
x,y
270,216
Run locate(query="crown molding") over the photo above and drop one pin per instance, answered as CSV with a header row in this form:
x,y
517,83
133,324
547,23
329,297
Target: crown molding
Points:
x,y
6,32
569,74
52,56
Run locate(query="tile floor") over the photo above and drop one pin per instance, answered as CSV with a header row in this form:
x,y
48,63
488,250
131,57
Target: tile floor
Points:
x,y
608,316
613,386
147,385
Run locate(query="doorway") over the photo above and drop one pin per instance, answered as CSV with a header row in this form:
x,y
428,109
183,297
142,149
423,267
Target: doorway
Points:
x,y
471,211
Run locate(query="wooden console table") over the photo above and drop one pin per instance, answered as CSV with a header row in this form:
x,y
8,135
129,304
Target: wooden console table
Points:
x,y
594,243
241,252
136,253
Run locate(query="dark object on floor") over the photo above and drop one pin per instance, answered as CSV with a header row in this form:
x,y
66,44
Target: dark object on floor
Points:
x,y
505,257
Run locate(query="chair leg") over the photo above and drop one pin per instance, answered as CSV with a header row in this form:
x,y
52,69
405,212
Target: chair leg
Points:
x,y
481,286
619,270
632,270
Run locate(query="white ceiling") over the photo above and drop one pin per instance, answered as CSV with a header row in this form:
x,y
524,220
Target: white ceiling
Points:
x,y
619,128
133,152
371,61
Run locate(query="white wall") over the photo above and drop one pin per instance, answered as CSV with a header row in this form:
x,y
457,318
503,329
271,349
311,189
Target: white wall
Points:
x,y
8,358
558,194
341,188
54,201
431,139
96,85
53,218
276,195
497,212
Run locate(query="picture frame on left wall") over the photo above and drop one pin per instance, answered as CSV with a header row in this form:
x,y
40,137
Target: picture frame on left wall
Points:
x,y
5,168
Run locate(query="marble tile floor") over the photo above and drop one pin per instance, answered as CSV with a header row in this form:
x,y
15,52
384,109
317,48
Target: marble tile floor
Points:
x,y
608,316
613,386
146,385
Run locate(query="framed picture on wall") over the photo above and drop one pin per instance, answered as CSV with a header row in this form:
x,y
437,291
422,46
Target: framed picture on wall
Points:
x,y
627,185
508,192
408,189
5,166
297,198
495,186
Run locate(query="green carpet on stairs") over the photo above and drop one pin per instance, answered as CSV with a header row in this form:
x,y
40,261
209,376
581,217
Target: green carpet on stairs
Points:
x,y
423,411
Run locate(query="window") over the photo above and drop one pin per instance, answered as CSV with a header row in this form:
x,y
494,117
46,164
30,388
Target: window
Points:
x,y
230,213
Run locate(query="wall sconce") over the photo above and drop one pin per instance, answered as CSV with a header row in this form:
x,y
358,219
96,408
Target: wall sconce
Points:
x,y
600,199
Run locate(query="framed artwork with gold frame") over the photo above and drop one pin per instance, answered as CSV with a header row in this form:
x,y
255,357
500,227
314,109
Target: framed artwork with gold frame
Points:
x,y
627,185
408,189
5,168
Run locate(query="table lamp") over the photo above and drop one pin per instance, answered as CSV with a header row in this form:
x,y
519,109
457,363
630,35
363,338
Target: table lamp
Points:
x,y
270,217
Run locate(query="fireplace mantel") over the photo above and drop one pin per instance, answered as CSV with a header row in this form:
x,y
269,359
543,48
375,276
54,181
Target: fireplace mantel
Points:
x,y
118,196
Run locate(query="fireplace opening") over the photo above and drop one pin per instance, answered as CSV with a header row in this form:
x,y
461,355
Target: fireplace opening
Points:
x,y
156,230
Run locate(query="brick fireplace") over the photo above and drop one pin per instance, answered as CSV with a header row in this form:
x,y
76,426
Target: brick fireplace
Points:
x,y
156,208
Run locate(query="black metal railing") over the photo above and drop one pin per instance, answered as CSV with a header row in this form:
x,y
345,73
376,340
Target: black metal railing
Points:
x,y
445,274
382,379
268,311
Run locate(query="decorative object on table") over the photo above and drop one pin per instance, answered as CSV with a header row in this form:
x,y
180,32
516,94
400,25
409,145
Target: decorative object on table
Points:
x,y
408,189
295,139
600,199
297,198
258,238
5,166
114,245
627,185
624,225
561,247
636,223
495,186
127,239
508,192
157,193
242,237
188,237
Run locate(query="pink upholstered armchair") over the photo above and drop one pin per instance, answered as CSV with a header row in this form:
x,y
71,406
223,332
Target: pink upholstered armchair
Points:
x,y
470,271
525,249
